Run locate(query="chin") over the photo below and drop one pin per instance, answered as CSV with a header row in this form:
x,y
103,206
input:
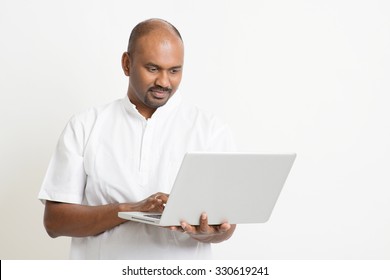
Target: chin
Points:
x,y
156,103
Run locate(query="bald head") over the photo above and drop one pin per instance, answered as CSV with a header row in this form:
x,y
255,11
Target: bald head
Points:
x,y
154,63
150,26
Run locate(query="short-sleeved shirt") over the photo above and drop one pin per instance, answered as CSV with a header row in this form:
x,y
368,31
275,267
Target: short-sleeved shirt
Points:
x,y
112,154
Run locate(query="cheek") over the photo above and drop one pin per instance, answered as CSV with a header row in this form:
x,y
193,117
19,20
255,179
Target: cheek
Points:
x,y
141,81
176,81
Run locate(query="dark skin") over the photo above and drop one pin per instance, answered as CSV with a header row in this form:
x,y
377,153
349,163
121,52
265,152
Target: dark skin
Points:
x,y
65,219
154,71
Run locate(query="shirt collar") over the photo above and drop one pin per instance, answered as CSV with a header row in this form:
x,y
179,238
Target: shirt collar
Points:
x,y
161,112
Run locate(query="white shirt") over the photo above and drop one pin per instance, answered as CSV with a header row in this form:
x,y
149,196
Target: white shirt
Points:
x,y
112,154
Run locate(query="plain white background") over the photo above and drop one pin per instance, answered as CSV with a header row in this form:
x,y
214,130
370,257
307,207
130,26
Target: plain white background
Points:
x,y
310,77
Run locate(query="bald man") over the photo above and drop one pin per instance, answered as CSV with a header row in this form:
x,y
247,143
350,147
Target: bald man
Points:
x,y
124,156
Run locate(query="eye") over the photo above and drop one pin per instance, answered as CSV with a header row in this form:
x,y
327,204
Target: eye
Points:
x,y
175,70
152,69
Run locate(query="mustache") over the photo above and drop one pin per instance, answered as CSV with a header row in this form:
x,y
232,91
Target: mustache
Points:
x,y
159,88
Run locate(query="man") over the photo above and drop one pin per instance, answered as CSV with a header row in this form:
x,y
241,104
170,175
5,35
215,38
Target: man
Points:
x,y
124,156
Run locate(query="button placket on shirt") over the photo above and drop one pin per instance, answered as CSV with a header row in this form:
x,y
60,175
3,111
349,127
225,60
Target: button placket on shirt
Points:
x,y
145,153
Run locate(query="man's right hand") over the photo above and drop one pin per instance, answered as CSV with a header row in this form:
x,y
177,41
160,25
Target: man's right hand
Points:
x,y
75,220
154,203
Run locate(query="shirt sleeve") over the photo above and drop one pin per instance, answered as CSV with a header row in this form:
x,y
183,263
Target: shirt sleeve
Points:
x,y
65,177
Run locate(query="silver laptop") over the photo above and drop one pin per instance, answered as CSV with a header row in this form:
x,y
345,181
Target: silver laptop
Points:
x,y
230,187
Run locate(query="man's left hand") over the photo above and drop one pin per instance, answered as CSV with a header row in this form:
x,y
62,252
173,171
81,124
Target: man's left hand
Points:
x,y
205,232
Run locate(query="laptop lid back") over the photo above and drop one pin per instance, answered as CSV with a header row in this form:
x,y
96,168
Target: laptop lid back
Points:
x,y
233,187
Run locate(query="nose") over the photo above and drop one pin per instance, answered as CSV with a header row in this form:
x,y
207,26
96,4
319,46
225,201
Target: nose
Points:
x,y
162,79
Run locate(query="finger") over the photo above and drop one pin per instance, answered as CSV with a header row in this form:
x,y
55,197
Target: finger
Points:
x,y
161,194
203,224
160,197
163,197
187,228
174,228
156,198
224,227
151,207
155,205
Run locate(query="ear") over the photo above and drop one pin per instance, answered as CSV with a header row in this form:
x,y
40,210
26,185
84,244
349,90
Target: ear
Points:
x,y
126,63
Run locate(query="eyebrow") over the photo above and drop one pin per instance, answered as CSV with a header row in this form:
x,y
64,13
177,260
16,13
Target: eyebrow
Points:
x,y
150,64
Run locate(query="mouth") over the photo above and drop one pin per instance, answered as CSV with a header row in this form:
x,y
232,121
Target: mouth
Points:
x,y
160,93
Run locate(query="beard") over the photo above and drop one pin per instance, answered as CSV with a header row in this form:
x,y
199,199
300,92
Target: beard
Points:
x,y
157,97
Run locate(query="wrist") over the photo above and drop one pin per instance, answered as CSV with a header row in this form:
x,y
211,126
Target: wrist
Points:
x,y
125,207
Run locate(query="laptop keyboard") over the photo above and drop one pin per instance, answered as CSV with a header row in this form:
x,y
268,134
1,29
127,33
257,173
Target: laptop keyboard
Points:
x,y
155,216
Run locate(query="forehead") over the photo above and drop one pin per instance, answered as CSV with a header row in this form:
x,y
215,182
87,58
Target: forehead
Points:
x,y
161,48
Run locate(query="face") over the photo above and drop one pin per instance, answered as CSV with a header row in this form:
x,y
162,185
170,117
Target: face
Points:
x,y
154,70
